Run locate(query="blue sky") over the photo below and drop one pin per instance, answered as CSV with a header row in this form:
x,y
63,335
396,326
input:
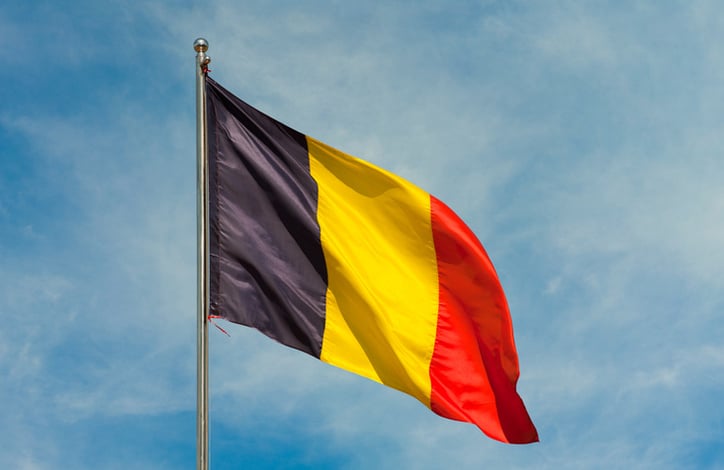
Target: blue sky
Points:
x,y
582,141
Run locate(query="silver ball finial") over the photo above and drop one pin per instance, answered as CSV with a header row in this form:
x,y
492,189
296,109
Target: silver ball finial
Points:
x,y
201,45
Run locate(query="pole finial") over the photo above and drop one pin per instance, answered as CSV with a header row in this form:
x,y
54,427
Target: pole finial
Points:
x,y
201,45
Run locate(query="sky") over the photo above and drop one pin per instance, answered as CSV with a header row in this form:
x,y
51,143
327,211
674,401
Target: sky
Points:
x,y
581,141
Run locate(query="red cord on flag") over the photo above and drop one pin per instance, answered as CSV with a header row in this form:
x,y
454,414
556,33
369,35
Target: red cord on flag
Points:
x,y
211,319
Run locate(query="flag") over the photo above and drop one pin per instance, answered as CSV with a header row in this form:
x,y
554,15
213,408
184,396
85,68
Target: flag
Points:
x,y
345,261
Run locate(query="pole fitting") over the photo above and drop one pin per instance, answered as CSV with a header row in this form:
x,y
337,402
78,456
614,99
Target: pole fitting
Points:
x,y
201,45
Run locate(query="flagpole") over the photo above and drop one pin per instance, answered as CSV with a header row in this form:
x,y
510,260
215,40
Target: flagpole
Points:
x,y
202,261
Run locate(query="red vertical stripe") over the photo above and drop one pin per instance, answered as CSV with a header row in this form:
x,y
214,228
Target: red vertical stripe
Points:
x,y
474,367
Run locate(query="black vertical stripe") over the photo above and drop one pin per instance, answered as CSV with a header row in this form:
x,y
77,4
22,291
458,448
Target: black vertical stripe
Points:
x,y
267,265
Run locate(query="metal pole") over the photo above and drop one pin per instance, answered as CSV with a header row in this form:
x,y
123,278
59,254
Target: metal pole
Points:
x,y
202,261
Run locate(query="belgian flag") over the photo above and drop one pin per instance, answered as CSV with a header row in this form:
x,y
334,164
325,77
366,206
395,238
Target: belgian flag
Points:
x,y
349,263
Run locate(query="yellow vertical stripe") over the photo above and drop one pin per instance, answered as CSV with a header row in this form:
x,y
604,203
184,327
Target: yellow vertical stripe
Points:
x,y
382,295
